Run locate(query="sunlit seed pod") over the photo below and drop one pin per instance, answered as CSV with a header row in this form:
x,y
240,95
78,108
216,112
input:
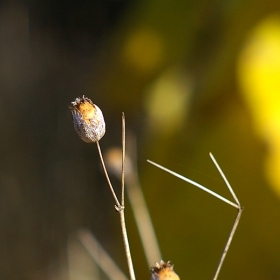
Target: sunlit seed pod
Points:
x,y
87,119
163,271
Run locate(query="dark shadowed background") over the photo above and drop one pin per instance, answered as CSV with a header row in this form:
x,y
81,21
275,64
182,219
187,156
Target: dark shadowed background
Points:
x,y
192,77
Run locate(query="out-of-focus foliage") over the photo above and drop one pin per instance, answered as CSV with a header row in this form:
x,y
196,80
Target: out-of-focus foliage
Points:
x,y
259,72
167,102
191,77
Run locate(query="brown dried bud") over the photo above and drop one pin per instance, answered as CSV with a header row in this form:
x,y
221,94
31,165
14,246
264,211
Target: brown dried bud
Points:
x,y
163,271
88,119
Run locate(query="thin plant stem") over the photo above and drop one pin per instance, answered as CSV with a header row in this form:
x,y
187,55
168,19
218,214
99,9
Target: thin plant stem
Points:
x,y
126,245
107,176
240,209
123,156
120,207
135,196
228,243
225,179
121,210
139,208
237,205
195,184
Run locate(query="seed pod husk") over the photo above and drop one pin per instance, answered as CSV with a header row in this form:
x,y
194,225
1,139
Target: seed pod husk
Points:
x,y
87,119
163,271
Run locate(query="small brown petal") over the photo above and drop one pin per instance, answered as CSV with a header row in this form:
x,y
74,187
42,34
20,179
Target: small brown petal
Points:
x,y
87,119
163,271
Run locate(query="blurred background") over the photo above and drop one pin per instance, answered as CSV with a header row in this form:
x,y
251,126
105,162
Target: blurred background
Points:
x,y
192,77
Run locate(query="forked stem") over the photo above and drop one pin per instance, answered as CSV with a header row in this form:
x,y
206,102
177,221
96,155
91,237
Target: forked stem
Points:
x,y
240,209
107,176
236,205
195,184
120,207
225,179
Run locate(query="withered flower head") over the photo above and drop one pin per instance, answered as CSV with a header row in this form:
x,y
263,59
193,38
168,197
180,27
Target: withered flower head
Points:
x,y
88,119
163,271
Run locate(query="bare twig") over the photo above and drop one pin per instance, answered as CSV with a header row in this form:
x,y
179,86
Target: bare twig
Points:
x,y
123,156
135,196
121,210
236,205
240,209
107,176
225,179
120,207
195,184
140,209
228,243
89,123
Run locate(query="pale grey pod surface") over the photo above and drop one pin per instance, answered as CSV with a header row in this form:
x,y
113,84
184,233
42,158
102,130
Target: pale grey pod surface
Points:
x,y
88,120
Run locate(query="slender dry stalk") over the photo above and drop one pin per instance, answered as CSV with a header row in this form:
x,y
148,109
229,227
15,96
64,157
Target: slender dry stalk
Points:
x,y
225,179
240,209
135,196
90,125
140,209
120,207
228,244
121,210
123,155
194,183
235,205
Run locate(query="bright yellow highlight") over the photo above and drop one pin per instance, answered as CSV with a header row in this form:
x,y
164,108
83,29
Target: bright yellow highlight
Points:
x,y
143,50
259,76
167,101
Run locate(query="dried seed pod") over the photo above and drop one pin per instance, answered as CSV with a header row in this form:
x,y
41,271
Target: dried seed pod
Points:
x,y
87,119
163,271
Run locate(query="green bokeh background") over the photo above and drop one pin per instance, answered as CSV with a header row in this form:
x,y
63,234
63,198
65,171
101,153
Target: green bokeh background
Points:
x,y
51,183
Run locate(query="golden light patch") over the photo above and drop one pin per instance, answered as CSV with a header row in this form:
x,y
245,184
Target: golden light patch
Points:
x,y
144,50
258,73
167,100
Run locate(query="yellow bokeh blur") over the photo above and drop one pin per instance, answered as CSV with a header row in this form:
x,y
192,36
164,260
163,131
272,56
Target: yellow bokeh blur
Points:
x,y
167,101
144,50
259,78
